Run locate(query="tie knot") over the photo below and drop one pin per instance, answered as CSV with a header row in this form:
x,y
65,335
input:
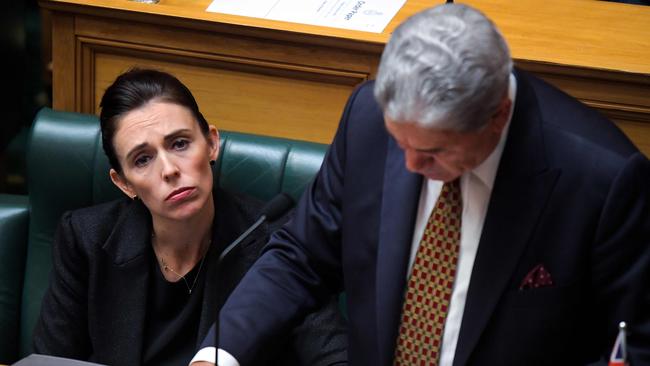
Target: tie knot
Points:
x,y
450,193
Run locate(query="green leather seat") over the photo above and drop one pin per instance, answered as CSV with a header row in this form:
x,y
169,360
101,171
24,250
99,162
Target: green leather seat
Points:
x,y
67,169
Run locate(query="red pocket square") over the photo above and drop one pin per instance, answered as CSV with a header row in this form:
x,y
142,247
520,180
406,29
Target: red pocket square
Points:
x,y
537,277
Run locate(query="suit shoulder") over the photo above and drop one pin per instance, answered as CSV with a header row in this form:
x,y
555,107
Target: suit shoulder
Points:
x,y
362,106
571,120
363,121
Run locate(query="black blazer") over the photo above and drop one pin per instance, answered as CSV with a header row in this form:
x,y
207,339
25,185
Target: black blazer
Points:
x,y
571,193
94,307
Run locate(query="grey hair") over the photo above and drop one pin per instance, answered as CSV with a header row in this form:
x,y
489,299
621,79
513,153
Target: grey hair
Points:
x,y
445,67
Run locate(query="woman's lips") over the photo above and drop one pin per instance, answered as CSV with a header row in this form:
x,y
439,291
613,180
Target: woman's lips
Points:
x,y
180,194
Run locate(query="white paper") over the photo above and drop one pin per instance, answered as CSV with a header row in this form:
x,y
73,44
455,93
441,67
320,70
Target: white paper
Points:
x,y
363,15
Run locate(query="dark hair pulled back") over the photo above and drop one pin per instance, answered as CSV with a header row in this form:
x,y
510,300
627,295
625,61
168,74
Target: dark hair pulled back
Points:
x,y
132,90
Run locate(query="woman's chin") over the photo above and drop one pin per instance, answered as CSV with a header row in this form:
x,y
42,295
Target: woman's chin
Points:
x,y
183,211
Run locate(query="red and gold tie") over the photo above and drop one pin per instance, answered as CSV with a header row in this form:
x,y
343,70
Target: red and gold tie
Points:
x,y
431,282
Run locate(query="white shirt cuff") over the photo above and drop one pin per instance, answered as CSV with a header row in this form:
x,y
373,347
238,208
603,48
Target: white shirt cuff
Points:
x,y
207,354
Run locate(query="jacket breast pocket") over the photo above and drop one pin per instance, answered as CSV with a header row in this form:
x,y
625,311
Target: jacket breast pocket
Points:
x,y
553,296
537,326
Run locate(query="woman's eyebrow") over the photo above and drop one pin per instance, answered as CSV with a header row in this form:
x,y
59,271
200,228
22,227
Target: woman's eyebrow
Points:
x,y
174,134
167,138
135,149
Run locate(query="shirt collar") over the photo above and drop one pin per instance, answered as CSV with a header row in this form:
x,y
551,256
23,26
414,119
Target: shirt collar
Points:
x,y
487,170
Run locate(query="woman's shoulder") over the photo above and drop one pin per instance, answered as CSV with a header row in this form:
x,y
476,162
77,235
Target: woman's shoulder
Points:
x,y
94,224
248,207
102,213
236,213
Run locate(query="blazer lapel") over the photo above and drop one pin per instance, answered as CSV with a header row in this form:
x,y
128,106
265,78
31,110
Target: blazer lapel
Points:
x,y
522,186
126,278
401,191
223,233
212,291
221,278
230,221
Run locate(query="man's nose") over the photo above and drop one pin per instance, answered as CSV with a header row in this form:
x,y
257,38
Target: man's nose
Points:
x,y
414,160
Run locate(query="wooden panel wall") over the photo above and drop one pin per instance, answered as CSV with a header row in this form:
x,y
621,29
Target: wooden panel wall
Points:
x,y
292,80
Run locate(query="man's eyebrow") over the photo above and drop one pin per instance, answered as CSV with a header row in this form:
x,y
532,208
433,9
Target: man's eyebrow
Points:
x,y
432,150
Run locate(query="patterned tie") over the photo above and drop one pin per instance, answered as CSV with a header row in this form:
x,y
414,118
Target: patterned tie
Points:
x,y
430,284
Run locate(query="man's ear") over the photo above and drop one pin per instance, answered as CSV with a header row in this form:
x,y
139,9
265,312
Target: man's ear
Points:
x,y
121,183
501,117
213,142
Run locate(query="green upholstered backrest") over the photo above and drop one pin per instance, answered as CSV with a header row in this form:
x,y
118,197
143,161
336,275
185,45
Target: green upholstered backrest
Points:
x,y
14,213
67,169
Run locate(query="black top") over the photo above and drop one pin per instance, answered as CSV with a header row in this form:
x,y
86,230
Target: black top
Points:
x,y
173,316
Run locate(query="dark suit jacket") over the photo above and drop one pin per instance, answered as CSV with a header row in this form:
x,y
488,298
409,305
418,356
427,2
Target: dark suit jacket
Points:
x,y
571,193
95,308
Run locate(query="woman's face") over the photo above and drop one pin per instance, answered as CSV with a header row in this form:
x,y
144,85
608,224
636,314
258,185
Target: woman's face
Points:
x,y
165,160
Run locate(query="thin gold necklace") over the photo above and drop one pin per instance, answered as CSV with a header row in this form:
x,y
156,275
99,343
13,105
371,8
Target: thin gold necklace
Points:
x,y
166,267
189,288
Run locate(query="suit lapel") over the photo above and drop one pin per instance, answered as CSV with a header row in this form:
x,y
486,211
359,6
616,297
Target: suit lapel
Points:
x,y
127,278
522,186
398,211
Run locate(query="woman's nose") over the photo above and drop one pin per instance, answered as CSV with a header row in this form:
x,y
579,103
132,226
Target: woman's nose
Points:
x,y
169,168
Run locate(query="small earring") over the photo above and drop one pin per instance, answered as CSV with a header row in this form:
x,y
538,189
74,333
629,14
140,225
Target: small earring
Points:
x,y
212,162
134,198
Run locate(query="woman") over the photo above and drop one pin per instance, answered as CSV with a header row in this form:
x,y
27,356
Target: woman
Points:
x,y
134,281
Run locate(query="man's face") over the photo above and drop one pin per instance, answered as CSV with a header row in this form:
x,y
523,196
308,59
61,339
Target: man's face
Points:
x,y
442,154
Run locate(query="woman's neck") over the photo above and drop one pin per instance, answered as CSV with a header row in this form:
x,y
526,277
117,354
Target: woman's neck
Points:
x,y
181,244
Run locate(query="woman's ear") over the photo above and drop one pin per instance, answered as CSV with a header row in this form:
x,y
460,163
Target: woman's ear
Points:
x,y
122,184
213,143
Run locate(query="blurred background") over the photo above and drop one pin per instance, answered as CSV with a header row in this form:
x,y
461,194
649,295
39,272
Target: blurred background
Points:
x,y
26,84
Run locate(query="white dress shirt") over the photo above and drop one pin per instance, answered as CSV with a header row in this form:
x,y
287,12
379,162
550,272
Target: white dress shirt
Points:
x,y
476,188
207,354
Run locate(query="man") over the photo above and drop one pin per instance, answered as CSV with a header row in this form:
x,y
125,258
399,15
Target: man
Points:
x,y
527,214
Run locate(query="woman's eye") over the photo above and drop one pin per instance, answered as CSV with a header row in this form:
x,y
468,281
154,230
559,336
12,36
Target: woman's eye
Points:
x,y
142,160
180,144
